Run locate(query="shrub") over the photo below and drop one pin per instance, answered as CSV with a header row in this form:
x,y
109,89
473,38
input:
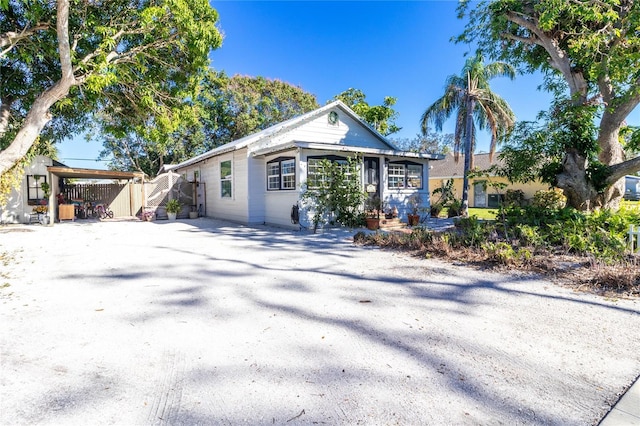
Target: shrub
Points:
x,y
455,208
550,199
436,209
514,197
338,197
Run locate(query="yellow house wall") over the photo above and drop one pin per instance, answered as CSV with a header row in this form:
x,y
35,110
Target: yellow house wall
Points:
x,y
529,188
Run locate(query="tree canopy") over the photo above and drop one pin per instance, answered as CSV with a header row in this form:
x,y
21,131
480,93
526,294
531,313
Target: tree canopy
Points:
x,y
589,53
225,109
133,59
433,142
237,106
380,117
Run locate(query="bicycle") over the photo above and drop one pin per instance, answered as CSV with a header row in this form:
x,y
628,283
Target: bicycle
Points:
x,y
103,211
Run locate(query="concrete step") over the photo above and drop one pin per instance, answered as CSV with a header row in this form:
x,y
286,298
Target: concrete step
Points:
x,y
392,223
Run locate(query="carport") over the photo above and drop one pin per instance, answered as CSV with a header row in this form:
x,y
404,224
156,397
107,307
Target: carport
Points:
x,y
125,199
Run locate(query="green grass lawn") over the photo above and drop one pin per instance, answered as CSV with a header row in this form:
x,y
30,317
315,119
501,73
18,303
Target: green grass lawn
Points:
x,y
631,204
483,213
490,213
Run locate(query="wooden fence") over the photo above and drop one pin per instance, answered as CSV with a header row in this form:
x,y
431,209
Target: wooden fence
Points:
x,y
123,199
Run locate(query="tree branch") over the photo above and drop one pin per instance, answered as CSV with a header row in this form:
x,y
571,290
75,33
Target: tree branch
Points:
x,y
558,57
12,38
620,170
5,113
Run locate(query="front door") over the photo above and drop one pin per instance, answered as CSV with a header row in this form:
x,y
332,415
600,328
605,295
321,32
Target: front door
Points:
x,y
479,194
372,176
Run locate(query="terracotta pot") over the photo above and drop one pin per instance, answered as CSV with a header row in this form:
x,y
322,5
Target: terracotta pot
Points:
x,y
373,223
413,219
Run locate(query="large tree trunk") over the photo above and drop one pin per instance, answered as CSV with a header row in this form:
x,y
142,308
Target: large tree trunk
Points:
x,y
580,194
612,153
38,115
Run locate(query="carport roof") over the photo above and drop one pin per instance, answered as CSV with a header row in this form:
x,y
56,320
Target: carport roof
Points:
x,y
68,172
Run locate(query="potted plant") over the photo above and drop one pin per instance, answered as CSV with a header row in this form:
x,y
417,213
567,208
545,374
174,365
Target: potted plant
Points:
x,y
415,204
373,206
436,209
193,214
173,207
147,215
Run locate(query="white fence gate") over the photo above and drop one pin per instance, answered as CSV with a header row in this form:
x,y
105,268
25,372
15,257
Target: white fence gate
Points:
x,y
170,186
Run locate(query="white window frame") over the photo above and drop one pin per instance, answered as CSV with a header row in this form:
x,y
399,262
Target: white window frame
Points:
x,y
333,158
226,179
281,180
400,177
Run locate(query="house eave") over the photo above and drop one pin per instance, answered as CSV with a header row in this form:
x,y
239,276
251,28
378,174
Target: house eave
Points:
x,y
372,151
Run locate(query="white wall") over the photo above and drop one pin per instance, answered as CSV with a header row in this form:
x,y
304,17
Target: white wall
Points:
x,y
17,209
399,197
234,208
257,184
347,132
277,204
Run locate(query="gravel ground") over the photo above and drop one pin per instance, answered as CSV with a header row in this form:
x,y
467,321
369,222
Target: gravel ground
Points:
x,y
207,322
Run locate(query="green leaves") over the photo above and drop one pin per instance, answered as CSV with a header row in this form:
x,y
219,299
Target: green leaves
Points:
x,y
336,193
380,117
134,60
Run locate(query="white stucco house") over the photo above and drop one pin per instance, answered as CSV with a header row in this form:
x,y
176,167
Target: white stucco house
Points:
x,y
257,179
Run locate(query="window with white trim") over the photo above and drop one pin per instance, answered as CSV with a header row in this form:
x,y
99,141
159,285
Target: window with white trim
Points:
x,y
405,175
226,179
315,174
281,174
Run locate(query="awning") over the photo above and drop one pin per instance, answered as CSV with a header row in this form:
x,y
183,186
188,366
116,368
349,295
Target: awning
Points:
x,y
68,172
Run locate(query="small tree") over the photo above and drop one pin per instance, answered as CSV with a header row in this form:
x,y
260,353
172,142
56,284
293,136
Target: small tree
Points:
x,y
336,194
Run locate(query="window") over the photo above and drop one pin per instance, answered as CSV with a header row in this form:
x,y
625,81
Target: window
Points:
x,y
226,179
315,174
405,175
396,176
281,174
34,187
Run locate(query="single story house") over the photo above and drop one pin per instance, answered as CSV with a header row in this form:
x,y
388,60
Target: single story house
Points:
x,y
259,178
481,193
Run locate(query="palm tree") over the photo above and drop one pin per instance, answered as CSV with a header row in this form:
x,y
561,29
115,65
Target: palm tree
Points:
x,y
477,107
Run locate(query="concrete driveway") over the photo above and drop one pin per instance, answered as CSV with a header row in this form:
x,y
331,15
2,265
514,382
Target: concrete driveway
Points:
x,y
207,322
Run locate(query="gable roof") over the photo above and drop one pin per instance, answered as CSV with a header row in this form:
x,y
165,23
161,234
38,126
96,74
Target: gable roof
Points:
x,y
448,168
293,123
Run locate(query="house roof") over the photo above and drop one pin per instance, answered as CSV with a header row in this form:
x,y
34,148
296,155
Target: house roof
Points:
x,y
448,168
294,123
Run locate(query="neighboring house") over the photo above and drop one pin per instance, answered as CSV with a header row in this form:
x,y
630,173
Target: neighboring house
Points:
x,y
125,199
259,178
632,188
481,193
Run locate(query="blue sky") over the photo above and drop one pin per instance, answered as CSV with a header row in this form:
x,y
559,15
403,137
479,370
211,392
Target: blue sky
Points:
x,y
384,48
